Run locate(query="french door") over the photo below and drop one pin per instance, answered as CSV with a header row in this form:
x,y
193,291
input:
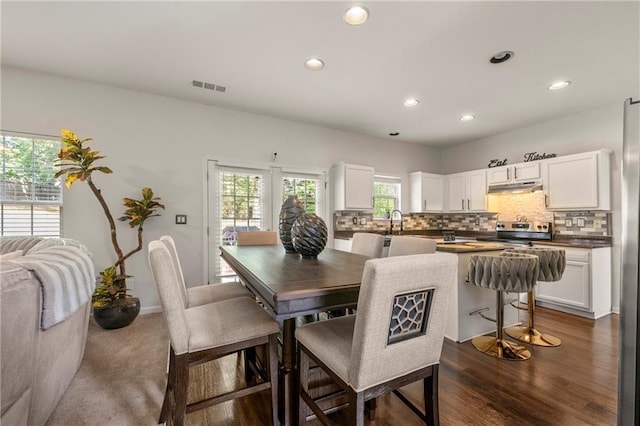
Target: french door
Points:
x,y
248,198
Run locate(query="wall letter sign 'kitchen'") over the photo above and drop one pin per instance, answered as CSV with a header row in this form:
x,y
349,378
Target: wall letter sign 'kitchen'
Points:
x,y
534,156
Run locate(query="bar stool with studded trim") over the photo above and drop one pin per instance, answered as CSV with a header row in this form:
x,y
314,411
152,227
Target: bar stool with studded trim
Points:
x,y
511,272
552,265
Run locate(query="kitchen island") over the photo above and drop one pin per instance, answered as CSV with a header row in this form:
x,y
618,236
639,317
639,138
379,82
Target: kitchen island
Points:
x,y
466,297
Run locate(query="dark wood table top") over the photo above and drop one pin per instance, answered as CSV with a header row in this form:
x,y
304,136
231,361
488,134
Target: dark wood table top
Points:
x,y
291,286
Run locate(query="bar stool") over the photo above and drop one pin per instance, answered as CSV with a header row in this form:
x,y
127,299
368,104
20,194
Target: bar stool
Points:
x,y
511,272
552,265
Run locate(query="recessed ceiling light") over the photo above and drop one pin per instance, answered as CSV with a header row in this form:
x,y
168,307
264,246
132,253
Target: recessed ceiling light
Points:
x,y
411,102
559,85
394,133
467,117
314,64
501,57
356,15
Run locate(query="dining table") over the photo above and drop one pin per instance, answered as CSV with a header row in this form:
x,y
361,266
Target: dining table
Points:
x,y
292,287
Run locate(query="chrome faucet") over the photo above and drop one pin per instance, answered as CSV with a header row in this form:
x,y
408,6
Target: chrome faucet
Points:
x,y
391,221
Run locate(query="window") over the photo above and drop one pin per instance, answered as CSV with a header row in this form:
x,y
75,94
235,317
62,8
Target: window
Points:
x,y
386,196
305,188
30,197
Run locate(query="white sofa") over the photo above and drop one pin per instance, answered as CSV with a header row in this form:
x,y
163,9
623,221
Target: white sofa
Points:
x,y
38,364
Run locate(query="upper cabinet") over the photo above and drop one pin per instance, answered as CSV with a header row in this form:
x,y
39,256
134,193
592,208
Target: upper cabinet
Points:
x,y
352,187
468,191
426,192
513,173
578,182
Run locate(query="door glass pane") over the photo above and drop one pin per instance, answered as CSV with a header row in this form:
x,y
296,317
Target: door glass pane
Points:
x,y
305,189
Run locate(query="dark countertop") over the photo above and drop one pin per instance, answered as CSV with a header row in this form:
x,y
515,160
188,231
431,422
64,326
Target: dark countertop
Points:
x,y
576,241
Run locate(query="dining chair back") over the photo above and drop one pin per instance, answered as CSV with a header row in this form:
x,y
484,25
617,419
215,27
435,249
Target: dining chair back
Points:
x,y
403,246
207,332
202,294
394,339
257,238
367,244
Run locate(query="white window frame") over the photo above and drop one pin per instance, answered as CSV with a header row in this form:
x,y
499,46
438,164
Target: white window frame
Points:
x,y
32,203
398,200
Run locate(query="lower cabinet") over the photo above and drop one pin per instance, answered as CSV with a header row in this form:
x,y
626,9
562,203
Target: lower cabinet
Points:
x,y
585,287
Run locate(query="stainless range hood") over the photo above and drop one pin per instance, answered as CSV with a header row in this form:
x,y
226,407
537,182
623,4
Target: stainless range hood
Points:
x,y
516,187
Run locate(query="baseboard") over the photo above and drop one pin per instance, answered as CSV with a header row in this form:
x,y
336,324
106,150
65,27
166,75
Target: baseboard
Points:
x,y
150,310
615,309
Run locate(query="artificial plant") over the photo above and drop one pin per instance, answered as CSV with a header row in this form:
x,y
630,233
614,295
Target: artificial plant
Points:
x,y
77,163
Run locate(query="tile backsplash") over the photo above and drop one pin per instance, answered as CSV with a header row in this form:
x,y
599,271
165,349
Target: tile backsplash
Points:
x,y
581,223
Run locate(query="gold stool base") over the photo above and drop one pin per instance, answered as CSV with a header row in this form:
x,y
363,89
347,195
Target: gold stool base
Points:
x,y
532,336
502,348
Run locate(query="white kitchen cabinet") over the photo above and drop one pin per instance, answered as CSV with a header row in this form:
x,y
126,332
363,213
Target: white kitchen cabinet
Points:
x,y
513,173
352,187
585,287
426,192
578,182
468,191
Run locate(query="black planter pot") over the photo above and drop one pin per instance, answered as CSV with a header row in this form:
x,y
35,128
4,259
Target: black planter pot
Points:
x,y
112,317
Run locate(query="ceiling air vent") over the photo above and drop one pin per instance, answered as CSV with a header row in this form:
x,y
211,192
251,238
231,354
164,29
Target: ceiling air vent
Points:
x,y
208,86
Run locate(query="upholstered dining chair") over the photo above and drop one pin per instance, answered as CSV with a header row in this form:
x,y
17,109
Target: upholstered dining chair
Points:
x,y
202,294
257,238
394,339
402,246
207,332
367,244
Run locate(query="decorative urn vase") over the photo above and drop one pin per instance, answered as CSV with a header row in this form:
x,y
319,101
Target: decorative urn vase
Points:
x,y
309,235
291,209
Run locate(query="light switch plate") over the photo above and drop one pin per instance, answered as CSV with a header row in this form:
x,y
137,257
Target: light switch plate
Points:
x,y
181,219
568,223
580,221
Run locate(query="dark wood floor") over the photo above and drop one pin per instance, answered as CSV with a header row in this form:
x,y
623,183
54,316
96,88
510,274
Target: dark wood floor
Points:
x,y
574,384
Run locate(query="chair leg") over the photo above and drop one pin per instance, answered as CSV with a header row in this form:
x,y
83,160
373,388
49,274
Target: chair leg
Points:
x,y
181,387
272,361
431,409
303,385
530,334
168,393
498,346
356,407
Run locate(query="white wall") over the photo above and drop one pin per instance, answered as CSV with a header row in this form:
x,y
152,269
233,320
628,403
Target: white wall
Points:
x,y
586,131
161,143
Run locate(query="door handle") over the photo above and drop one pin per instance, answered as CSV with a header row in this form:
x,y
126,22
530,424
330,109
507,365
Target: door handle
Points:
x,y
425,205
507,174
462,203
546,200
515,172
468,204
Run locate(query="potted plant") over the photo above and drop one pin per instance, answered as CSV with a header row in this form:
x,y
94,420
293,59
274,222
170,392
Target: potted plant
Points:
x,y
113,306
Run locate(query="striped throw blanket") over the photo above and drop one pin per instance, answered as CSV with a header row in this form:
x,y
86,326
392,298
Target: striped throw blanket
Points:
x,y
67,277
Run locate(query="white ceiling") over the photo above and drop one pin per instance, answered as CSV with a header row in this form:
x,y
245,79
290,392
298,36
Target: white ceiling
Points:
x,y
437,52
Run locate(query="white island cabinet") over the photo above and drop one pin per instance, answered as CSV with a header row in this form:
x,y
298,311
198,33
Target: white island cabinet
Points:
x,y
466,298
578,182
585,287
352,187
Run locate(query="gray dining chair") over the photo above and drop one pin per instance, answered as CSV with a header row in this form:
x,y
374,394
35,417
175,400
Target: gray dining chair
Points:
x,y
403,246
202,294
207,332
394,339
367,244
